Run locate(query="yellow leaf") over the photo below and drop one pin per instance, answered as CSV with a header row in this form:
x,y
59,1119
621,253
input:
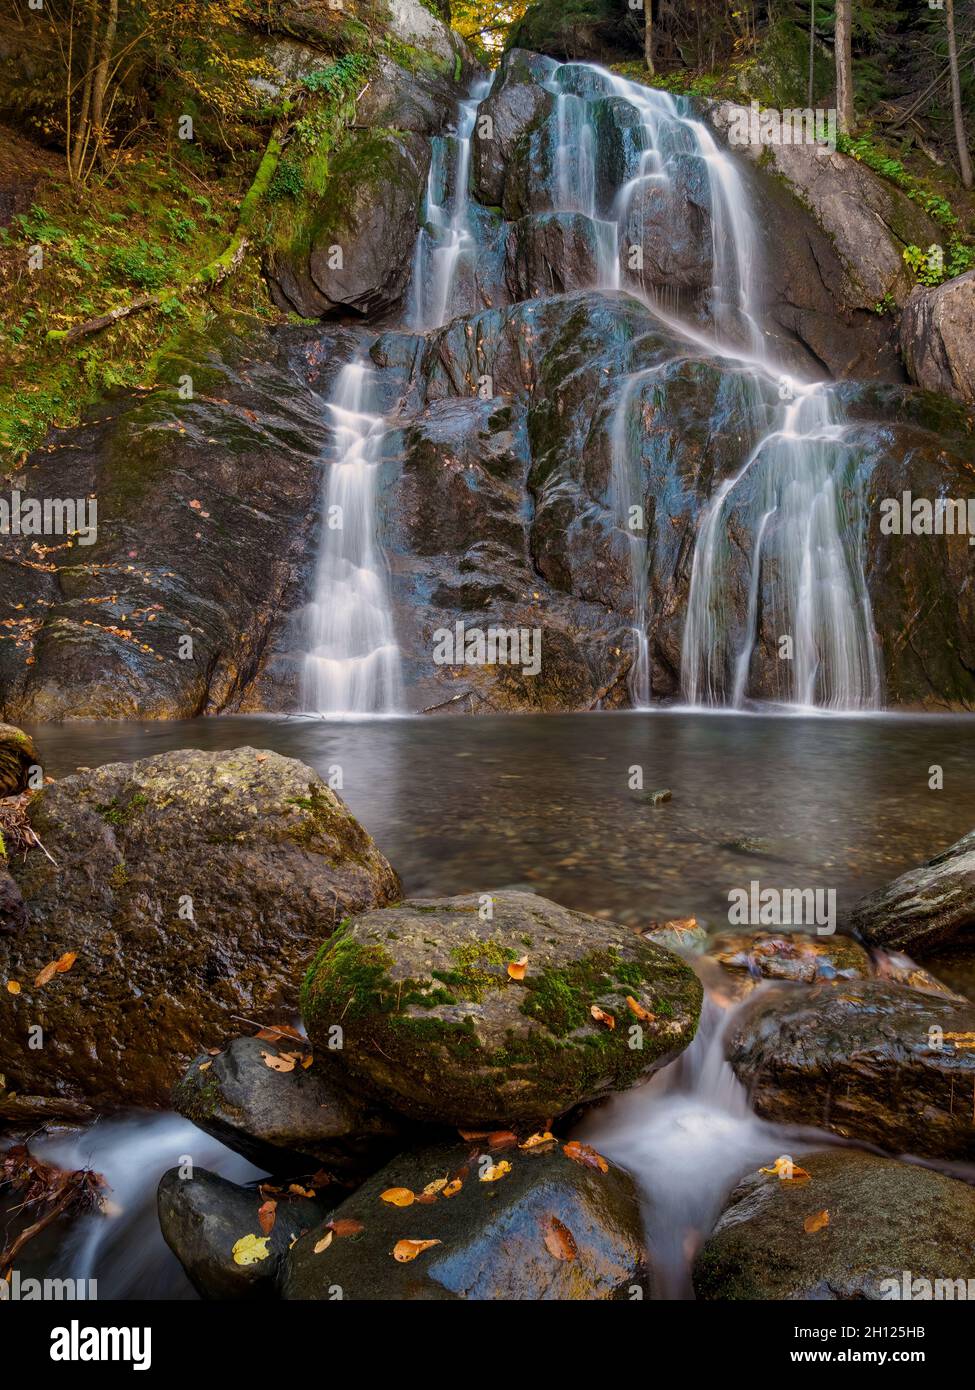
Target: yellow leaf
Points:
x,y
46,975
398,1196
517,968
786,1171
406,1250
453,1188
250,1250
496,1171
534,1140
13,987
324,1243
432,1188
816,1222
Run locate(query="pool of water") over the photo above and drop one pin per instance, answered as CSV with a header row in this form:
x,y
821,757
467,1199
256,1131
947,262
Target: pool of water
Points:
x,y
553,803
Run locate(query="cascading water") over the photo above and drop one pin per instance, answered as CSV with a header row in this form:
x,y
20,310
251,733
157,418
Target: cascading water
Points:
x,y
794,495
446,237
352,665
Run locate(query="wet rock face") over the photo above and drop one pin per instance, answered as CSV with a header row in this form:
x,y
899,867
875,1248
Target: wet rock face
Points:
x,y
867,1059
937,337
926,909
884,1218
206,511
437,1026
514,107
203,1217
671,225
496,1239
286,1121
795,956
191,886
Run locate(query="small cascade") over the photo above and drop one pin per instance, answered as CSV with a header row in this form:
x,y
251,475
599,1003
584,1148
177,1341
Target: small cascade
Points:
x,y
446,238
352,664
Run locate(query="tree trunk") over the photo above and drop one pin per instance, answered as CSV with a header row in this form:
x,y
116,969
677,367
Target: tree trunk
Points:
x,y
648,35
844,65
964,160
100,85
812,53
76,157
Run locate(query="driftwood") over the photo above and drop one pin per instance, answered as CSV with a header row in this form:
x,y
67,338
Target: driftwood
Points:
x,y
51,1191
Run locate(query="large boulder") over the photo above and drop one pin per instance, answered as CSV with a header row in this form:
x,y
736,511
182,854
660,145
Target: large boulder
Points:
x,y
670,223
180,891
925,909
17,756
354,257
514,106
889,1224
938,337
259,1098
554,253
203,1217
866,1059
441,1021
548,1227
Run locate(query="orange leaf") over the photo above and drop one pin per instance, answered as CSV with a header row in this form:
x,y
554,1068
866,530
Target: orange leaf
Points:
x,y
278,1063
517,968
502,1139
406,1250
601,1016
637,1008
582,1153
816,1222
453,1188
398,1197
46,975
559,1240
496,1171
534,1141
266,1215
66,962
274,1032
346,1227
13,987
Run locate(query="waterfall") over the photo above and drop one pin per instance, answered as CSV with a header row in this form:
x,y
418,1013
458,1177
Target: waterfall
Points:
x,y
794,496
352,664
446,238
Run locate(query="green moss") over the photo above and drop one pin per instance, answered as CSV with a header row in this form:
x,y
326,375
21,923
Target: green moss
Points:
x,y
118,815
561,998
119,876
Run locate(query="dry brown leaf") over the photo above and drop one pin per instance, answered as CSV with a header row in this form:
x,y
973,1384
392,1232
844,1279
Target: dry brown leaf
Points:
x,y
502,1139
474,1133
559,1240
534,1141
496,1171
274,1032
267,1215
345,1227
296,1190
517,968
406,1250
583,1153
398,1196
278,1063
815,1222
601,1016
635,1007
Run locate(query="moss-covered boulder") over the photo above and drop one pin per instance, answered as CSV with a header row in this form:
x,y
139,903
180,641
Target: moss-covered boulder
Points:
x,y
867,1059
260,1098
203,1217
509,1224
498,1009
17,756
885,1218
181,891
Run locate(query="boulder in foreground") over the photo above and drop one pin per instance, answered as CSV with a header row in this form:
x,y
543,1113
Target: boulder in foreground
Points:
x,y
186,889
448,1016
547,1227
927,908
885,1218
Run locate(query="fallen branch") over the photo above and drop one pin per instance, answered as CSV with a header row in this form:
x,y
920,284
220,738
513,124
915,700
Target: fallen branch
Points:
x,y
52,1191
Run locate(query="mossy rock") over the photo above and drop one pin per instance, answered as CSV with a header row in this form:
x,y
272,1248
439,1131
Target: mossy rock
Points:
x,y
435,1024
885,1218
17,756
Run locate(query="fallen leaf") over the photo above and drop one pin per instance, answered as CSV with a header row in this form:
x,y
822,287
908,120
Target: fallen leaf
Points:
x,y
582,1153
601,1016
345,1227
66,962
267,1215
298,1191
13,987
635,1007
398,1196
474,1133
278,1063
535,1140
432,1188
453,1188
324,1243
406,1250
250,1250
496,1171
275,1032
204,1066
517,968
786,1171
307,1061
559,1240
46,975
502,1139
816,1222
